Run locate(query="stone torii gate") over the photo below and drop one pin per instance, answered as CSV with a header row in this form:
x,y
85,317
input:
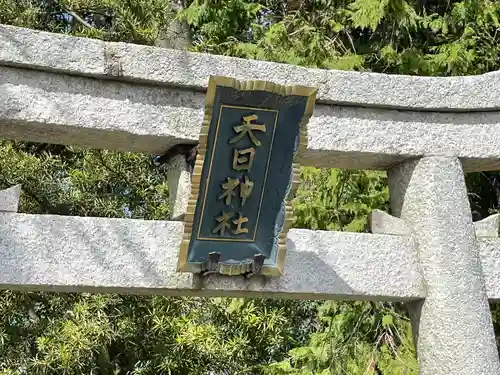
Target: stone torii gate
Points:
x,y
424,131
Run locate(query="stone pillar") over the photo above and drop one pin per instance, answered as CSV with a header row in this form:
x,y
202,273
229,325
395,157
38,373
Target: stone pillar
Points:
x,y
179,186
453,325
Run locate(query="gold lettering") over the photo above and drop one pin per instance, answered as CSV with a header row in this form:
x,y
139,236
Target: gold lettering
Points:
x,y
228,187
242,162
239,222
245,190
246,128
223,222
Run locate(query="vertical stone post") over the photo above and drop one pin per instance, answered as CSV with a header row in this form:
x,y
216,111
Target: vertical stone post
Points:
x,y
179,186
453,325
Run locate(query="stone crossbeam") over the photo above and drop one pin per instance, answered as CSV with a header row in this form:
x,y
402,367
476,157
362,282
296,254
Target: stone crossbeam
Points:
x,y
33,49
153,99
49,252
59,253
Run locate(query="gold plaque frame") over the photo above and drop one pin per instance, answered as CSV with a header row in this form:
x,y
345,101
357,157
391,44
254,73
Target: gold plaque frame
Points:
x,y
214,81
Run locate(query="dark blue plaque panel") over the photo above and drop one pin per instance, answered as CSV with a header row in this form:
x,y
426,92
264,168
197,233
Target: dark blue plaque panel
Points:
x,y
251,135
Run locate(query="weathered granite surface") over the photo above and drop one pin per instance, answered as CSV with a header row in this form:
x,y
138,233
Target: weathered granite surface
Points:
x,y
453,326
9,199
58,108
179,186
137,256
380,222
79,56
490,260
488,227
134,256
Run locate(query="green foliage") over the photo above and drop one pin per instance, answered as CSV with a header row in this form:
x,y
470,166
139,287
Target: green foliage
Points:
x,y
392,36
357,338
334,199
66,180
368,13
134,21
48,333
219,22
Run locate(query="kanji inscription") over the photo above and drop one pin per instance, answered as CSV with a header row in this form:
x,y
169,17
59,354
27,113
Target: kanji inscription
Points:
x,y
244,176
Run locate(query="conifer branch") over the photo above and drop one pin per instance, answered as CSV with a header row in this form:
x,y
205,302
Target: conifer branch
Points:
x,y
77,17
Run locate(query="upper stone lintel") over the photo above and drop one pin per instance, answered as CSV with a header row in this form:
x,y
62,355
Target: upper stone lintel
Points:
x,y
33,49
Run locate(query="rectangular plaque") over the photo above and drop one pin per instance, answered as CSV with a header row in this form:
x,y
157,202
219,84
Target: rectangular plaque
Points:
x,y
245,177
